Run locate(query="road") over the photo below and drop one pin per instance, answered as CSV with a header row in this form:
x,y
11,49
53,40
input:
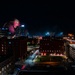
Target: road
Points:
x,y
29,61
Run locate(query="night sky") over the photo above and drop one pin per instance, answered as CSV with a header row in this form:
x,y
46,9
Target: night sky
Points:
x,y
39,17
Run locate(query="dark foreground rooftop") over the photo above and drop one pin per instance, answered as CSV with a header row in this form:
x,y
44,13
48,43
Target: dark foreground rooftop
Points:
x,y
3,58
35,72
51,70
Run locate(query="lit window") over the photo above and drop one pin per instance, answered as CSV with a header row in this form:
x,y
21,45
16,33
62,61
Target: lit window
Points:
x,y
57,54
41,53
7,65
0,71
54,54
2,50
2,44
51,54
2,47
44,54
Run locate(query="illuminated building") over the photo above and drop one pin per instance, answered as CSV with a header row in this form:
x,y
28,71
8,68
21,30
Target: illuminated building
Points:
x,y
69,36
10,51
7,60
4,48
52,46
16,46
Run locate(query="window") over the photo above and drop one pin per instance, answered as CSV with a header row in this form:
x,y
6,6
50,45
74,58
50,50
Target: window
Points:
x,y
51,54
2,47
57,54
7,65
0,71
44,54
41,53
2,50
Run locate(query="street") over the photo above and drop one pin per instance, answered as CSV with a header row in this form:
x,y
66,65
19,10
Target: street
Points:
x,y
28,61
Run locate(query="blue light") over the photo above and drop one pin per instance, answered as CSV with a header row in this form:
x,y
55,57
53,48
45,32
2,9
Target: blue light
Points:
x,y
22,25
18,68
60,34
9,42
9,32
47,33
2,28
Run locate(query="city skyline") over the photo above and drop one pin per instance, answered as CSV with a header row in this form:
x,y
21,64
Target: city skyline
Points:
x,y
39,16
36,37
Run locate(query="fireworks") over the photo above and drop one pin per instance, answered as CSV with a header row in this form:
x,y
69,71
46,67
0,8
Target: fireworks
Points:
x,y
13,25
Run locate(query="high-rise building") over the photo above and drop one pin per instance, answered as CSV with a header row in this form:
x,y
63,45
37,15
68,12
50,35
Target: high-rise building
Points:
x,y
16,47
7,60
4,46
19,46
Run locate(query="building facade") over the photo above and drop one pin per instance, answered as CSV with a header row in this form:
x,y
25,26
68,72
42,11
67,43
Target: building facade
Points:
x,y
7,66
50,46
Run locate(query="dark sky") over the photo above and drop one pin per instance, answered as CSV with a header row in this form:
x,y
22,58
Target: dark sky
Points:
x,y
39,16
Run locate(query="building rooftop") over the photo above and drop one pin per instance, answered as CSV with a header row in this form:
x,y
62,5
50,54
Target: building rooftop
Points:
x,y
3,58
